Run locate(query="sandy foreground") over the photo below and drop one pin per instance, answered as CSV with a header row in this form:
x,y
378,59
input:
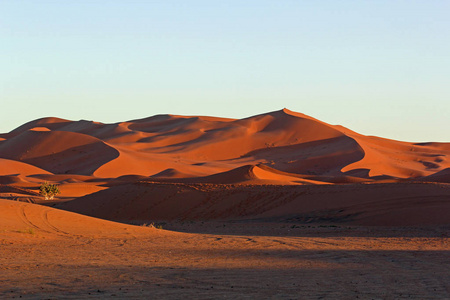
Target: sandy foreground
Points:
x,y
51,254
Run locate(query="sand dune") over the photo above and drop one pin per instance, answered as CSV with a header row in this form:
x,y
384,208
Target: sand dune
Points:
x,y
14,167
398,159
248,174
44,220
284,140
49,123
269,151
58,151
385,204
441,176
278,205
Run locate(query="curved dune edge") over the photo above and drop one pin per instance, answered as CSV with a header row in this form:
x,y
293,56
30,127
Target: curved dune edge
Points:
x,y
252,174
14,167
384,157
18,217
267,173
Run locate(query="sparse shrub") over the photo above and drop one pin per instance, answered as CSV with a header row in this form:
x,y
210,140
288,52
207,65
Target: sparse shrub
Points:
x,y
28,230
49,190
153,225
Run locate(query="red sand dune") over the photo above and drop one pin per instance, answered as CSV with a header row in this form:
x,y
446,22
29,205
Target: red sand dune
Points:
x,y
58,151
441,176
267,151
14,167
278,205
248,174
202,146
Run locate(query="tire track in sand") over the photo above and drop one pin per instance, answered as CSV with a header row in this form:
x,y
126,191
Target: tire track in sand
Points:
x,y
44,217
22,215
40,222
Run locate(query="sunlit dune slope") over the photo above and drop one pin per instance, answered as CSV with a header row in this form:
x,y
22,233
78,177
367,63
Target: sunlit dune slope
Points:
x,y
14,167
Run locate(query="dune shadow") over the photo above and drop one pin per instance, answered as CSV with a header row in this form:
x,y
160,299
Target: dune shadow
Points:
x,y
293,229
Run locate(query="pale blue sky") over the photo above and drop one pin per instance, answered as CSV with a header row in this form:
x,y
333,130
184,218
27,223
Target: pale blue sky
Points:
x,y
378,67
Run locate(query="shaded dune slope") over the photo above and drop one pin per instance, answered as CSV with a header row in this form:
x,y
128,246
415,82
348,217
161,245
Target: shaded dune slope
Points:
x,y
382,204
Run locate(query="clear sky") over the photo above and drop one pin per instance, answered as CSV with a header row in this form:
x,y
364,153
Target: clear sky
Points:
x,y
378,67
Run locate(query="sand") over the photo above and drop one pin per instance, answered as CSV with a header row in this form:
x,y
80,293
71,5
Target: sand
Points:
x,y
48,253
278,205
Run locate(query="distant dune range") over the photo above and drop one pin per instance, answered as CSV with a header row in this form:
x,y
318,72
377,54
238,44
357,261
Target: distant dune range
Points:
x,y
281,165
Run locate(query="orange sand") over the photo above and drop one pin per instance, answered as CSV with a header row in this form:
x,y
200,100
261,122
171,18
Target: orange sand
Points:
x,y
276,205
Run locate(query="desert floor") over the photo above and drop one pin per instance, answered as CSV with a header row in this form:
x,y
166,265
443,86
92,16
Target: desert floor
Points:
x,y
51,254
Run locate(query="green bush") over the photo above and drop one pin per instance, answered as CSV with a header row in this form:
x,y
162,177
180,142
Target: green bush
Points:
x,y
28,230
49,190
153,225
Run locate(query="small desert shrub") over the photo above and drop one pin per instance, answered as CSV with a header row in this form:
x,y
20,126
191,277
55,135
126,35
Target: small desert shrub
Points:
x,y
49,190
153,225
28,230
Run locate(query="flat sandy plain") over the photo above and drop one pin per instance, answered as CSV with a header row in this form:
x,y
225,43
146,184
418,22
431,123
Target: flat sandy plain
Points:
x,y
279,206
